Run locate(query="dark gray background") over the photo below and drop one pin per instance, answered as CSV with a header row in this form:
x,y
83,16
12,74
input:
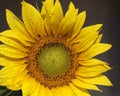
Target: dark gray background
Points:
x,y
98,11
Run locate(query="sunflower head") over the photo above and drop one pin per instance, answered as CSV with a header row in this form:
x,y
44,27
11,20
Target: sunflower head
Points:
x,y
52,52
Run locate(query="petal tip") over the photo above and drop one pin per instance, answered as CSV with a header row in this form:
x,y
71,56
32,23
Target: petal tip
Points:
x,y
84,12
23,2
8,11
109,46
71,5
100,26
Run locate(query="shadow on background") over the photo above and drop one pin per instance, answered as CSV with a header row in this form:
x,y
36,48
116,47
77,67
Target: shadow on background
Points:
x,y
98,11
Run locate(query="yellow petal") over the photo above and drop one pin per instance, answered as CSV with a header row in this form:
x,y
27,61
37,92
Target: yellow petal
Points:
x,y
16,35
13,43
91,62
68,22
79,91
92,71
12,87
53,17
62,91
36,89
33,20
78,25
4,81
9,84
48,25
48,91
56,16
17,81
66,91
11,71
13,83
85,42
3,62
99,38
27,89
56,92
16,24
94,50
47,6
42,91
86,31
7,62
11,52
99,80
81,84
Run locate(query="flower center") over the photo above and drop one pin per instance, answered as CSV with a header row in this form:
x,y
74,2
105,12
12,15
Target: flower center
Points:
x,y
54,59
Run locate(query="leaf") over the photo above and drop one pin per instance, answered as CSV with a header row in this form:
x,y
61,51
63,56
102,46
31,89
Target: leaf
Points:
x,y
3,90
6,92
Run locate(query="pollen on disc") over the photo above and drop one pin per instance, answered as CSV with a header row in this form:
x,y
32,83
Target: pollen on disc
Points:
x,y
54,60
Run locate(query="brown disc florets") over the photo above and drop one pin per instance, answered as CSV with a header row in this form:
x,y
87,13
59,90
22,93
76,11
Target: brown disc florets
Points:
x,y
51,61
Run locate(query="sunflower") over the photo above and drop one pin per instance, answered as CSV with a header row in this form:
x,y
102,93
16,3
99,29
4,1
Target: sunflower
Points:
x,y
48,53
